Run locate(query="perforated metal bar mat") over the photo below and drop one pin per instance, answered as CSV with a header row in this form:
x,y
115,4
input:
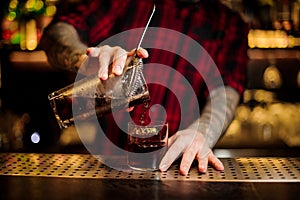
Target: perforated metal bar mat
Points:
x,y
264,169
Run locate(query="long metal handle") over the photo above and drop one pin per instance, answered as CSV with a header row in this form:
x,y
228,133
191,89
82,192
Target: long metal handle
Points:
x,y
145,29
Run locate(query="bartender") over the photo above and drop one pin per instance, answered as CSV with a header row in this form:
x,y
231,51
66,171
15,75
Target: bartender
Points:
x,y
79,27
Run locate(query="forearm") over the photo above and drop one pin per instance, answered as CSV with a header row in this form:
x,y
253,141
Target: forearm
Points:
x,y
217,114
63,46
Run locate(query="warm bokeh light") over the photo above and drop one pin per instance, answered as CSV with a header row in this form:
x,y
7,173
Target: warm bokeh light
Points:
x,y
272,77
50,10
269,39
24,21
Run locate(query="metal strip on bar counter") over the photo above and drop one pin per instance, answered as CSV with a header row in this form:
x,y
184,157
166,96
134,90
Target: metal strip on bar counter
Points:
x,y
248,169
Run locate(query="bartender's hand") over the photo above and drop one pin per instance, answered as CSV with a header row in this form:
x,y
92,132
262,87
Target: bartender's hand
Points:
x,y
191,145
100,59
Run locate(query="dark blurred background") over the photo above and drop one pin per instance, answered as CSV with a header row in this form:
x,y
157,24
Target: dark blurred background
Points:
x,y
268,116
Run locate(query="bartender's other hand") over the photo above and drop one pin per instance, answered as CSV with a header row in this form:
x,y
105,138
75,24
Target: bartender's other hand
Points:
x,y
191,145
115,57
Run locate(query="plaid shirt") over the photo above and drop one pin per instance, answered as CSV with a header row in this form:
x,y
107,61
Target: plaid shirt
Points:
x,y
220,31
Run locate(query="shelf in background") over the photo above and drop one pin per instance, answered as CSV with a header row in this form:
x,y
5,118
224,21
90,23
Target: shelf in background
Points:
x,y
33,60
274,53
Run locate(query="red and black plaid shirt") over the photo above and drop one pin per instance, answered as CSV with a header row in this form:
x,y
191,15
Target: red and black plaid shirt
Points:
x,y
220,31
